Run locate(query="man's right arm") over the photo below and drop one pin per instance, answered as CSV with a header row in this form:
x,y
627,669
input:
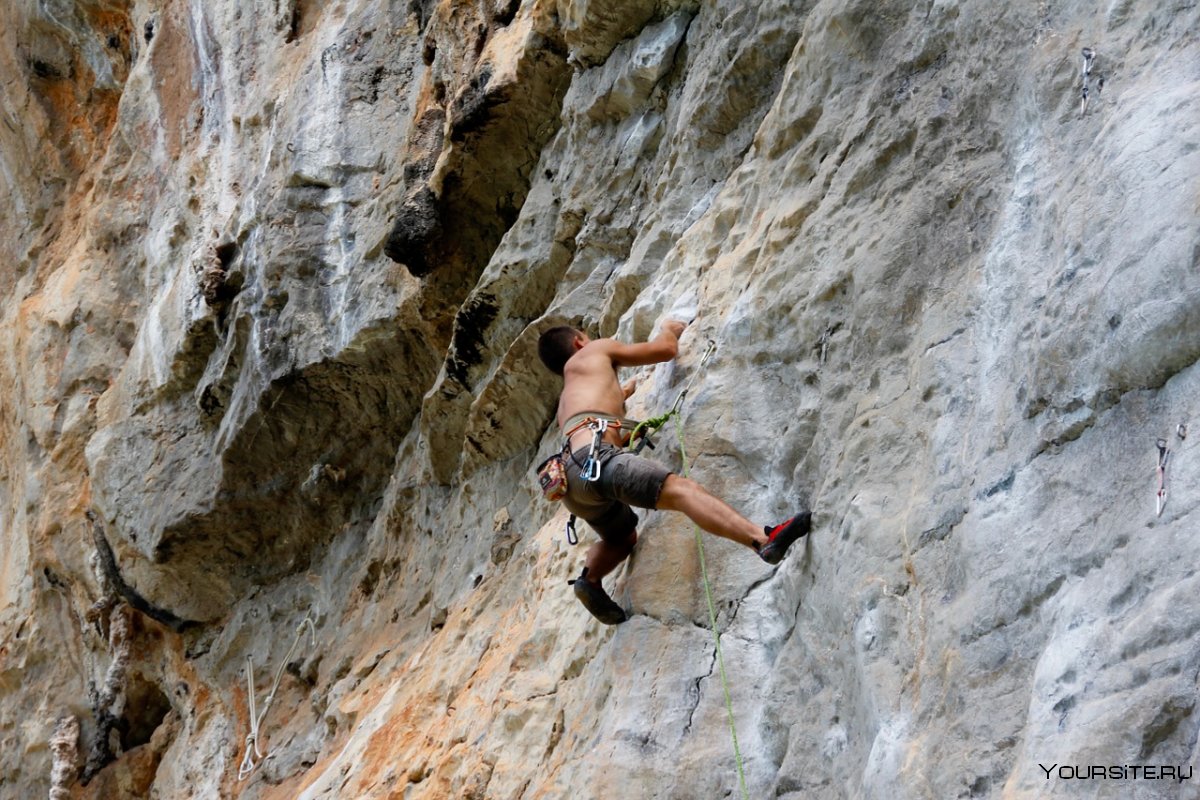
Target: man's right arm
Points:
x,y
661,348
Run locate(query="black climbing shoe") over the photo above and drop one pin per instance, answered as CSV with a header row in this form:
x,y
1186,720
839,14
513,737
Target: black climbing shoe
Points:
x,y
597,601
783,535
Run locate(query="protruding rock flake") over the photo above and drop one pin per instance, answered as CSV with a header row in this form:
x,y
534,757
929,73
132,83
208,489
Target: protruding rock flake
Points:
x,y
272,279
64,747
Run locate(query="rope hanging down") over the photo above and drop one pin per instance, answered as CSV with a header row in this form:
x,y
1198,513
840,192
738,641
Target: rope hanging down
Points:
x,y
641,436
712,621
653,424
253,756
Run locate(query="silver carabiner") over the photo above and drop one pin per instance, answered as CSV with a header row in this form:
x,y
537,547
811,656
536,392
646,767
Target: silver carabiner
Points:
x,y
591,468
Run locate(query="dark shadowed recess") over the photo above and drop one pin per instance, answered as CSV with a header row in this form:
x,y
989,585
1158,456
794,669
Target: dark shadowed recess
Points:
x,y
312,459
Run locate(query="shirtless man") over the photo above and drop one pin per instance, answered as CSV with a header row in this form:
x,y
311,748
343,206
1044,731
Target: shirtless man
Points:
x,y
591,391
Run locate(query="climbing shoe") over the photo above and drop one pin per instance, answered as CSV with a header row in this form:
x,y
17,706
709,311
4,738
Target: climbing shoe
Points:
x,y
597,601
783,535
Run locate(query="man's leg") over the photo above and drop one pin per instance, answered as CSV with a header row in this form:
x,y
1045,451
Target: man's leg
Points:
x,y
604,556
709,512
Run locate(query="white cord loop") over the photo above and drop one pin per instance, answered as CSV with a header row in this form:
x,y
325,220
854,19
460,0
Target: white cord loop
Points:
x,y
254,756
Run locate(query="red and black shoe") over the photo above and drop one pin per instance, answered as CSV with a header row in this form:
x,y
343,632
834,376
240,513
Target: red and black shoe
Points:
x,y
597,601
783,535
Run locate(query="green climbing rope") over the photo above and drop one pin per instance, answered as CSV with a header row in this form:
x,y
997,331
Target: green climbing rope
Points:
x,y
712,615
645,429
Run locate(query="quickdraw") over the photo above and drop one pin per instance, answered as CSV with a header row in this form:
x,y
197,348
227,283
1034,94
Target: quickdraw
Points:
x,y
1164,458
1089,57
1160,497
642,433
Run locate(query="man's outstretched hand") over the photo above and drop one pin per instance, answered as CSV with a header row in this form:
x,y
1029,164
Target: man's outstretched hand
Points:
x,y
674,327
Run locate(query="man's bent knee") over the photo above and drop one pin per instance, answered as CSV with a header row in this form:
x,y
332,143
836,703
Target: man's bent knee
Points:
x,y
674,490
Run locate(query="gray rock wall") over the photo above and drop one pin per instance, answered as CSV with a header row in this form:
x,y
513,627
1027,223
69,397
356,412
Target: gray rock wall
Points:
x,y
275,275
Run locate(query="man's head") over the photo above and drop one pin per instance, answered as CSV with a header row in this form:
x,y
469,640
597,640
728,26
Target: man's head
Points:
x,y
558,344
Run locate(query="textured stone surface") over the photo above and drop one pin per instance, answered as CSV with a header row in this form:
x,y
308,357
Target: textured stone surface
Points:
x,y
274,275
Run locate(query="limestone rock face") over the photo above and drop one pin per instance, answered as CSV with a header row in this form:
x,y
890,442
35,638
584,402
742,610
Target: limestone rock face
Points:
x,y
273,277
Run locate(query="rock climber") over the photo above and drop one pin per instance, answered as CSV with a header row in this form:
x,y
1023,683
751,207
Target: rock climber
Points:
x,y
592,403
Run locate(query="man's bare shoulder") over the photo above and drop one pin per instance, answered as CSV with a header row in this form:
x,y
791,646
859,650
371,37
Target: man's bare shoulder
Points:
x,y
595,354
601,345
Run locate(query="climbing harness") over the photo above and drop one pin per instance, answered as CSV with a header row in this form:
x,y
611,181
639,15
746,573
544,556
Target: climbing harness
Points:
x,y
254,756
552,473
1160,497
599,425
591,467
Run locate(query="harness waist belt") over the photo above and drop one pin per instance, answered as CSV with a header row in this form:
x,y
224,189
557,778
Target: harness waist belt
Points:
x,y
580,420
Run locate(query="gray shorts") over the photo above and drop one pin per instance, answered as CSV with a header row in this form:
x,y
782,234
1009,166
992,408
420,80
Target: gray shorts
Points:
x,y
625,480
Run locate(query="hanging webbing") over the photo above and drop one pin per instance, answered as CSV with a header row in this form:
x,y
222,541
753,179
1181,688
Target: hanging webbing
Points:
x,y
254,756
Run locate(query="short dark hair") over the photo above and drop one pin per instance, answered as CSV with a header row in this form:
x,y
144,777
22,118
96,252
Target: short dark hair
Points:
x,y
557,345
